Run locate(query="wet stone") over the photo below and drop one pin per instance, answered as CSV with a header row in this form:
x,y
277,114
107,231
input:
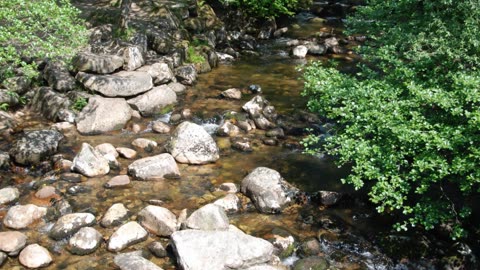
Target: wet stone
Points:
x,y
12,242
74,190
229,187
228,130
126,152
128,234
4,160
8,195
115,215
85,241
158,220
310,247
210,217
133,261
3,258
160,127
157,249
118,181
154,168
90,162
63,207
71,177
230,203
145,144
233,93
63,165
106,148
69,224
317,263
21,216
242,144
270,141
276,132
46,192
35,256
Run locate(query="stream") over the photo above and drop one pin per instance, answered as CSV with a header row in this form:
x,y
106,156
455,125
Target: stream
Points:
x,y
351,235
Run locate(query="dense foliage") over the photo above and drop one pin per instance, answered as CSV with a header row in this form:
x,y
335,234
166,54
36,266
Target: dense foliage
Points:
x,y
265,8
37,29
409,120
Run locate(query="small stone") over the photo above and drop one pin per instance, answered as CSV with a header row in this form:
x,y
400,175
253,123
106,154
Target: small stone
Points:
x,y
136,128
160,127
242,144
158,220
69,224
300,51
228,130
233,93
126,152
8,195
63,165
144,144
128,234
255,88
115,215
12,242
90,162
229,187
106,148
158,167
230,203
118,181
85,241
311,247
46,192
157,249
270,141
133,261
71,177
35,256
21,216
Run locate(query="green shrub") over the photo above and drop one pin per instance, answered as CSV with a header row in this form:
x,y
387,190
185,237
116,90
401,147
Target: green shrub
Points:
x,y
264,8
37,29
79,104
409,122
193,56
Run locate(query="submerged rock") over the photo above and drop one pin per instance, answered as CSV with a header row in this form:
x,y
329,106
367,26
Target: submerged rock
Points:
x,y
230,203
154,168
35,146
21,216
209,217
103,115
35,256
129,261
12,242
69,224
90,162
158,220
219,250
157,249
85,241
267,190
144,144
128,234
118,181
191,144
233,93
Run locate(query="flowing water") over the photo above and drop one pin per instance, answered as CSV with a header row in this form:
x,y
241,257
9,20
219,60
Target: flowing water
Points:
x,y
343,230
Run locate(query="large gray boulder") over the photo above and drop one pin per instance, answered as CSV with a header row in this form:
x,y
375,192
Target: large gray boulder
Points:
x,y
219,250
267,190
210,217
154,168
90,162
103,115
85,241
21,216
158,220
95,63
128,234
69,224
191,144
52,105
121,84
35,146
12,242
160,72
153,101
133,261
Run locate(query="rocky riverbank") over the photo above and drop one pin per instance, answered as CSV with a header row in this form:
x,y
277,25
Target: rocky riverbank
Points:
x,y
117,161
